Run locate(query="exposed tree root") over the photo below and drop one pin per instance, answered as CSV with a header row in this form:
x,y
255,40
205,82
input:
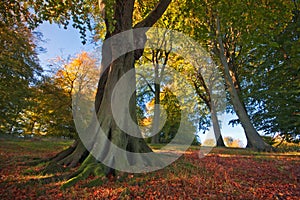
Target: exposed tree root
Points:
x,y
52,168
270,148
90,167
73,159
61,155
55,158
70,157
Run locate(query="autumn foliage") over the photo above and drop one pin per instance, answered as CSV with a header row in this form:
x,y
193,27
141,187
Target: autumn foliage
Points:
x,y
222,174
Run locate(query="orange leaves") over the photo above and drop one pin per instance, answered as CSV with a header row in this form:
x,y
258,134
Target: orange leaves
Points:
x,y
81,74
238,176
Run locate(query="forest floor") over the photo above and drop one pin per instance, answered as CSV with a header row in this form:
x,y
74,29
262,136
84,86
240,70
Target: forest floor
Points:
x,y
222,174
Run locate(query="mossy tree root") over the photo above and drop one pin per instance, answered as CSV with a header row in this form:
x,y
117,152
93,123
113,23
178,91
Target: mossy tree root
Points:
x,y
90,167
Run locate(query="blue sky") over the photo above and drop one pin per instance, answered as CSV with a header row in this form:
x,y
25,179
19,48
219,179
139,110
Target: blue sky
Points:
x,y
61,42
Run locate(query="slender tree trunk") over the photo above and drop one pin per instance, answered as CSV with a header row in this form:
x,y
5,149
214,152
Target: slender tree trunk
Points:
x,y
155,125
255,141
253,138
158,76
206,97
216,127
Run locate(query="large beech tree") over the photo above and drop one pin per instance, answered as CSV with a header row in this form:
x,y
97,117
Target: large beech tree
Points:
x,y
113,16
118,17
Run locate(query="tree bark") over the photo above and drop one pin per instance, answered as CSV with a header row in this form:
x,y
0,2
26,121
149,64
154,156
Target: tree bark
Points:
x,y
155,125
158,76
122,21
206,97
216,127
254,140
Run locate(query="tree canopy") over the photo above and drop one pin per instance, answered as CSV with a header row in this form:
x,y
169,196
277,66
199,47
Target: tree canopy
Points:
x,y
254,45
18,70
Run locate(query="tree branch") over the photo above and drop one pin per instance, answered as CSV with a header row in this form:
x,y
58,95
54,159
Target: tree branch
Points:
x,y
154,15
147,82
148,21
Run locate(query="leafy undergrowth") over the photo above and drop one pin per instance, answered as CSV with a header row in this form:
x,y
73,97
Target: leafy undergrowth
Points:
x,y
222,174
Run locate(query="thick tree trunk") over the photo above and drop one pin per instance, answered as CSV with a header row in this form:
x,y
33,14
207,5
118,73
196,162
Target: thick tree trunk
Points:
x,y
105,116
122,21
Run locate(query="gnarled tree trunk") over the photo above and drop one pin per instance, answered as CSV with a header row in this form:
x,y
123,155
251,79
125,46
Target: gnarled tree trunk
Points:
x,y
121,21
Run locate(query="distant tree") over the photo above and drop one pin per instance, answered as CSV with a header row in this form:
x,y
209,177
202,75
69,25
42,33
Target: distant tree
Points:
x,y
159,60
231,142
18,68
77,77
204,92
162,60
172,107
170,110
172,19
209,142
50,109
50,112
